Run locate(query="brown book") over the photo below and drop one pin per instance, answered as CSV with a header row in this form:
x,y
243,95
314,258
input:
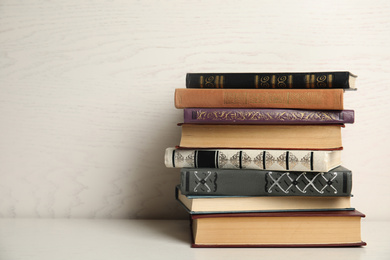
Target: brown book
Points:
x,y
325,99
316,137
278,229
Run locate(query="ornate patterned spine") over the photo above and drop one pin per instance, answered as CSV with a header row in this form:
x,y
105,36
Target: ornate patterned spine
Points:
x,y
266,116
275,160
308,80
337,182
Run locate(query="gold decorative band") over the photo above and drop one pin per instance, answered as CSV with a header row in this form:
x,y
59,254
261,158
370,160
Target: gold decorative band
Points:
x,y
330,80
307,80
312,81
290,81
273,80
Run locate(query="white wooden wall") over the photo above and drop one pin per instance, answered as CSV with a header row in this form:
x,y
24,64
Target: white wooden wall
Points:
x,y
86,93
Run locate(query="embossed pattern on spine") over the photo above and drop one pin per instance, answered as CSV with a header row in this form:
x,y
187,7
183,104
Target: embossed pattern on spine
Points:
x,y
265,116
291,160
319,80
336,182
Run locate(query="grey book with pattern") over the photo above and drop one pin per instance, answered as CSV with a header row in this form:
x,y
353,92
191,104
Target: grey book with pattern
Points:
x,y
227,182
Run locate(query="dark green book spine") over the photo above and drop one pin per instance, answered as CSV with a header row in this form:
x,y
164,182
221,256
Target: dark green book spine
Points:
x,y
292,80
337,182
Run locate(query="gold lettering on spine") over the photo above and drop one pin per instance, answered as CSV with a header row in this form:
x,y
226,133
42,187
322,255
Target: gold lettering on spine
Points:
x,y
290,81
257,81
330,80
201,81
273,79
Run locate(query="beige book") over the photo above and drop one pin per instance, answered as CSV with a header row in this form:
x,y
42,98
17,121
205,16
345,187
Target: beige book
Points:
x,y
218,204
275,160
278,229
261,136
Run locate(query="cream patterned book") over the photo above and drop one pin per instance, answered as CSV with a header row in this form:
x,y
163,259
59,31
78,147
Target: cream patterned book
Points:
x,y
275,160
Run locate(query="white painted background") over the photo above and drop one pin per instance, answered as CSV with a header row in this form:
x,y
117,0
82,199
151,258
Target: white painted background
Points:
x,y
86,93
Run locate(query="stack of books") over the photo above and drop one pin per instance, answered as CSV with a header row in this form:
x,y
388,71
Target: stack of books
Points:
x,y
260,159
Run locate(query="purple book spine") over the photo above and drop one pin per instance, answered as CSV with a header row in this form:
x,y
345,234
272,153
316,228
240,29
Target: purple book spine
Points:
x,y
267,116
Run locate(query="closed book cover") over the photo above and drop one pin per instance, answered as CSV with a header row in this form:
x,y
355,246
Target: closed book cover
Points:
x,y
276,160
336,182
266,116
319,99
239,204
278,229
303,137
278,80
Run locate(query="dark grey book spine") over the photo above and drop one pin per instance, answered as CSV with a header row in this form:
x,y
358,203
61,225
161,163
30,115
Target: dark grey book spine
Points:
x,y
337,182
292,80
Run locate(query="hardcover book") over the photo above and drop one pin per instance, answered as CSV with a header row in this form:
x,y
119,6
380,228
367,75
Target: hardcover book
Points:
x,y
337,182
316,99
275,160
283,137
283,80
266,116
234,204
278,229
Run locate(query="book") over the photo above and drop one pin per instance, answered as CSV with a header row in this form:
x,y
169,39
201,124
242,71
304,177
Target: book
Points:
x,y
278,229
316,99
227,182
275,160
284,137
282,80
266,116
230,204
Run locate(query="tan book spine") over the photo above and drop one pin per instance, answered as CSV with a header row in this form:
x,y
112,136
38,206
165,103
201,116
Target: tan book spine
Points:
x,y
261,136
326,99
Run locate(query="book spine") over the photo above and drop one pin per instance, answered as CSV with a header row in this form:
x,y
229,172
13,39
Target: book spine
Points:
x,y
315,80
275,137
320,99
274,160
266,116
337,182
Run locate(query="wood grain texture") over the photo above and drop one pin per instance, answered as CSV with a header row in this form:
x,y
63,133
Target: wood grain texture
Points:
x,y
87,88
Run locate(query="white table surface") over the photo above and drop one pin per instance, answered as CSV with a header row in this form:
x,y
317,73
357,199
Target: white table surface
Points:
x,y
154,239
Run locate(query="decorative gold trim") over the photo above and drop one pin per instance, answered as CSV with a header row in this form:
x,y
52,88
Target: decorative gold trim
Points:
x,y
201,81
257,81
307,80
290,81
221,83
217,81
330,80
312,81
210,82
273,80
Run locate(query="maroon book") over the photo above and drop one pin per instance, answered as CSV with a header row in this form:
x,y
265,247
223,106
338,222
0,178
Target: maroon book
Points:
x,y
266,116
278,229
